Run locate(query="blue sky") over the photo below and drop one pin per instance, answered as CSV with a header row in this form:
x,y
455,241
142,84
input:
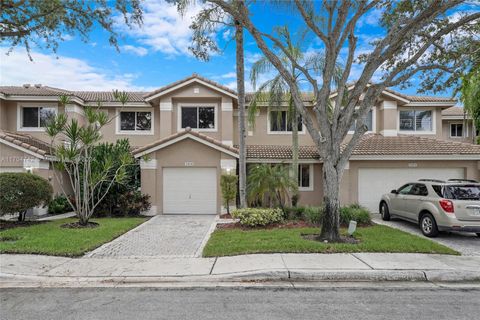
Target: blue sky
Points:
x,y
152,56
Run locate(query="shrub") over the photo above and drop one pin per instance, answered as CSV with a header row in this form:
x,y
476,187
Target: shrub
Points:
x,y
254,217
313,214
354,212
294,213
59,205
22,191
132,204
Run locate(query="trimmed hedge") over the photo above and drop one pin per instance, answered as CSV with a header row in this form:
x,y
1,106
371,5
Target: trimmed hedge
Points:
x,y
254,217
314,215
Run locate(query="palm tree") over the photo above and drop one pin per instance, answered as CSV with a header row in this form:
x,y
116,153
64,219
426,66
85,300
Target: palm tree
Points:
x,y
269,185
276,91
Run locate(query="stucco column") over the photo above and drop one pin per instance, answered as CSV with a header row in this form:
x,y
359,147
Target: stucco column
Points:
x,y
166,108
74,111
227,121
389,111
345,187
148,173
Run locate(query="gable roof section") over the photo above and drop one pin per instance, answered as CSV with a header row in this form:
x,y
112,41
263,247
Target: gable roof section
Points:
x,y
25,143
182,135
188,80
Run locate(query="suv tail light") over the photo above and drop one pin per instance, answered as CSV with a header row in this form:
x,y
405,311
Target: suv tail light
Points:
x,y
447,206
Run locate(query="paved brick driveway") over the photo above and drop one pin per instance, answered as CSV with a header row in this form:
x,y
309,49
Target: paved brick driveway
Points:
x,y
161,236
468,244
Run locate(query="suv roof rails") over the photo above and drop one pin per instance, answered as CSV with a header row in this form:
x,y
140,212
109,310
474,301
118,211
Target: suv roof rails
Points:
x,y
462,180
432,180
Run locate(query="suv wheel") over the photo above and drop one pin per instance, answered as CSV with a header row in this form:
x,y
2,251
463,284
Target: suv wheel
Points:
x,y
428,225
384,212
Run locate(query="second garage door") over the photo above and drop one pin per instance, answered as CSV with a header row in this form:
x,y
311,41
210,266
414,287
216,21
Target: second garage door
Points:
x,y
374,182
189,190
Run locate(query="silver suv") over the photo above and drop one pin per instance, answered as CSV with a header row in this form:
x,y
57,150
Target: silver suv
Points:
x,y
436,205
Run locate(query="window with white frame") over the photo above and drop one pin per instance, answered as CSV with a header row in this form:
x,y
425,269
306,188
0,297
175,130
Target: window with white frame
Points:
x,y
135,121
368,122
416,120
456,130
198,117
36,117
280,122
305,177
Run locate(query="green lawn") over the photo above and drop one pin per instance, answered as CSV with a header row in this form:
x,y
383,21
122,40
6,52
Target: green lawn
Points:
x,y
51,239
373,239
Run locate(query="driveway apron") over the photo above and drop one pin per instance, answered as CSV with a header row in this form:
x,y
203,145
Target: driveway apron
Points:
x,y
161,236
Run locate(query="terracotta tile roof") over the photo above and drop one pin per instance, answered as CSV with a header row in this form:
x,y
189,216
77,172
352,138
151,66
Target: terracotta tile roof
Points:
x,y
373,145
415,98
280,152
453,111
182,133
26,141
193,76
107,96
306,97
32,91
376,144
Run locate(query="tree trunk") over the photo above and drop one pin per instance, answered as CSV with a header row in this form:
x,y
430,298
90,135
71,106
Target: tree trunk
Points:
x,y
331,189
295,148
242,166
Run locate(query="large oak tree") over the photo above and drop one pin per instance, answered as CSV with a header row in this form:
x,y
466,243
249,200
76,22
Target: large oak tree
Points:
x,y
425,39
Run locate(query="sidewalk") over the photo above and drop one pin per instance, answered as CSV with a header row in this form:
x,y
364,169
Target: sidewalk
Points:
x,y
27,269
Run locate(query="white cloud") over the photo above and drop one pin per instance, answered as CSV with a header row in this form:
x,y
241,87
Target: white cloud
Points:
x,y
64,72
139,51
164,29
372,18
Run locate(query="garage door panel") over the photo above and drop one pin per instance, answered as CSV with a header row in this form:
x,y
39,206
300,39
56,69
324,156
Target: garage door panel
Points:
x,y
189,190
374,182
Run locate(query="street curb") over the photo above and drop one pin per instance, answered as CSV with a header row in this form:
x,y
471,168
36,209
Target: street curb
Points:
x,y
292,276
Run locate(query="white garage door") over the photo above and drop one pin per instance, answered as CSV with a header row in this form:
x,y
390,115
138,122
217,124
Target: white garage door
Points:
x,y
374,182
190,190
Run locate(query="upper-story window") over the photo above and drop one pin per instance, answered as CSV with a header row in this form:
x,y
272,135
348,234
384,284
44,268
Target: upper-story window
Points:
x,y
198,117
456,130
35,117
416,121
279,122
135,122
368,122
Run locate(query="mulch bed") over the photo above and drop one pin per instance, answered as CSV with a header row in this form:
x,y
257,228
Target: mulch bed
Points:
x,y
4,225
77,225
284,225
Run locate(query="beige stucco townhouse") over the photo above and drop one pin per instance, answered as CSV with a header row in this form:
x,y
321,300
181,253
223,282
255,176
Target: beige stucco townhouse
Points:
x,y
186,135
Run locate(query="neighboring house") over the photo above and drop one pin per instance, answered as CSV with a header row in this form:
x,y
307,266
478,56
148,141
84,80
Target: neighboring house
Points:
x,y
457,125
186,135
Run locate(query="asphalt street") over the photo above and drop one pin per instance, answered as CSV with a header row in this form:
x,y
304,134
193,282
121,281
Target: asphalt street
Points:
x,y
240,303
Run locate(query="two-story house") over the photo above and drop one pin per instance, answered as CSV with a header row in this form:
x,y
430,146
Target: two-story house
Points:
x,y
186,135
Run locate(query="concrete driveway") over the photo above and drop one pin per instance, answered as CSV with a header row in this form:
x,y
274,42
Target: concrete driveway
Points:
x,y
467,244
161,236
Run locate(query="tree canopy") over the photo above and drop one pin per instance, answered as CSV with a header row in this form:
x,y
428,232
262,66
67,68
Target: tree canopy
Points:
x,y
46,23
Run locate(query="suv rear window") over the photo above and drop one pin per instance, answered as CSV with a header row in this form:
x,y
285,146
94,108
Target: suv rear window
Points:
x,y
438,190
462,192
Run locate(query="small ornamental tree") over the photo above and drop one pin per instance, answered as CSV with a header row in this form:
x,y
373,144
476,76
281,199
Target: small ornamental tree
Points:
x,y
22,191
228,184
90,177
